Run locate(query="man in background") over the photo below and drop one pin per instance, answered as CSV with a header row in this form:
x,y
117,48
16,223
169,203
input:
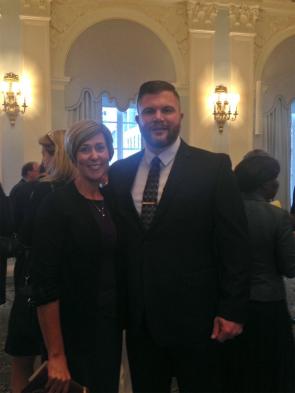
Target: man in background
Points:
x,y
19,193
30,172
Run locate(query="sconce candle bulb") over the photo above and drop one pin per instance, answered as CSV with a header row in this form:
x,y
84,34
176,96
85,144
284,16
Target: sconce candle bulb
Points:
x,y
12,97
225,106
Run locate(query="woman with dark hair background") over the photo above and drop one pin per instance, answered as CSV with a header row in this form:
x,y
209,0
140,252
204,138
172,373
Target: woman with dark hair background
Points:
x,y
266,355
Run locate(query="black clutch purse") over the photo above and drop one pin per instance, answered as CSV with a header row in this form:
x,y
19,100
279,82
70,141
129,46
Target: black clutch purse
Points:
x,y
38,380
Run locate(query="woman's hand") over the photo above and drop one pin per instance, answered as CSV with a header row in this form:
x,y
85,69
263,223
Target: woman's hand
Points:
x,y
58,372
58,375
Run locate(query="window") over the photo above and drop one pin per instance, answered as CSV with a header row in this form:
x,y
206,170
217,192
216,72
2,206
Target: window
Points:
x,y
123,126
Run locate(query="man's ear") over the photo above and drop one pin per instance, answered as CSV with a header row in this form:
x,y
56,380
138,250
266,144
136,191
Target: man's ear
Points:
x,y
181,115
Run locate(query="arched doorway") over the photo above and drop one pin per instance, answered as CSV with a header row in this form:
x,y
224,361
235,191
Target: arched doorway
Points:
x,y
106,64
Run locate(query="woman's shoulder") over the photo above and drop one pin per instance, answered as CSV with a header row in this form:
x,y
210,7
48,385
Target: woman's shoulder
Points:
x,y
279,216
61,193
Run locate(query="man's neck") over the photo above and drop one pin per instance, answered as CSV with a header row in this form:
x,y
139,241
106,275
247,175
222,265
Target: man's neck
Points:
x,y
159,150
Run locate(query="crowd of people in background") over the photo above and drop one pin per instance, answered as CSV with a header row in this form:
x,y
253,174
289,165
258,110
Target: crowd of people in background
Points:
x,y
171,245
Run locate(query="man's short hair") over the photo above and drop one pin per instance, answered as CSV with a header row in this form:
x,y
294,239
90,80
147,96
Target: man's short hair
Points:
x,y
29,166
155,87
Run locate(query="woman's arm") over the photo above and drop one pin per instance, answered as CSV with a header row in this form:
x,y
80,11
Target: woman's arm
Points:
x,y
58,372
48,240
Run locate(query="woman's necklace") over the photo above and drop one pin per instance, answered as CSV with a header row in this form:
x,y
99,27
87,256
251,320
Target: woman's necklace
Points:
x,y
99,209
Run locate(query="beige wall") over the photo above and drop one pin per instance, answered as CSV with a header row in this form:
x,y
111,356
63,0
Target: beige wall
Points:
x,y
203,43
24,32
115,56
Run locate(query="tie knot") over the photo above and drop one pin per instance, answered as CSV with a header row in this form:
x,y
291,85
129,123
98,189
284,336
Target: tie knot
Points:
x,y
155,163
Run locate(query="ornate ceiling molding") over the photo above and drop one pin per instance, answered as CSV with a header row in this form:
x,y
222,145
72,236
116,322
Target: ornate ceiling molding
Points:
x,y
35,7
70,18
171,16
243,17
271,30
201,16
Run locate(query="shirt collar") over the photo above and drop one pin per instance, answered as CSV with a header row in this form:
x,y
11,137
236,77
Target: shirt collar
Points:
x,y
165,156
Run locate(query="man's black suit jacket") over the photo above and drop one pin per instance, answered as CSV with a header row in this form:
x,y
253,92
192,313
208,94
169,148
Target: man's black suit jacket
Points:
x,y
192,264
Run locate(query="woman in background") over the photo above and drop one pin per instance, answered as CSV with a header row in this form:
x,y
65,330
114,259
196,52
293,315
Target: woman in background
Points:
x,y
6,230
74,270
24,340
267,346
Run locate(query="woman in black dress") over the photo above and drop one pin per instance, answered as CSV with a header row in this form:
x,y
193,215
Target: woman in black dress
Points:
x,y
74,270
24,341
6,230
266,353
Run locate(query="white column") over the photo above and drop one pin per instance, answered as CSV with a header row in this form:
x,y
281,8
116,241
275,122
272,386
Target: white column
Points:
x,y
36,64
243,18
25,49
221,76
242,80
201,83
11,147
59,114
258,110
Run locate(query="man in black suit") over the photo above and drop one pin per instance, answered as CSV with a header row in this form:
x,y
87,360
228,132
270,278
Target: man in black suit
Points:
x,y
186,268
21,191
30,172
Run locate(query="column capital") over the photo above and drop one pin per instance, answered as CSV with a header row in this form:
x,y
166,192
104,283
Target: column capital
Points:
x,y
243,18
59,83
201,16
35,8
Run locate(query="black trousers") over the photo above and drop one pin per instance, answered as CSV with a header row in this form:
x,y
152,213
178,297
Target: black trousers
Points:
x,y
262,359
152,366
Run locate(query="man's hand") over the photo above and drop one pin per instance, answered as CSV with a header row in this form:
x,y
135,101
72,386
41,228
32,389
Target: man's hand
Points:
x,y
225,330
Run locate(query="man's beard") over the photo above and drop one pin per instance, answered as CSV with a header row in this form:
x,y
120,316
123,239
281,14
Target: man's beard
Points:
x,y
172,134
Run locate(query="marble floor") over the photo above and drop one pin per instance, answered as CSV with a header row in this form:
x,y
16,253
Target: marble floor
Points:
x,y
125,381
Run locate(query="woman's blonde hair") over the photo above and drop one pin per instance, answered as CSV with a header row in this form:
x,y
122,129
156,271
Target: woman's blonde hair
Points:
x,y
61,168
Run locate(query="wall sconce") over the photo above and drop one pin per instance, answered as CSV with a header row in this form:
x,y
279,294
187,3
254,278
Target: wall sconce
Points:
x,y
225,106
13,98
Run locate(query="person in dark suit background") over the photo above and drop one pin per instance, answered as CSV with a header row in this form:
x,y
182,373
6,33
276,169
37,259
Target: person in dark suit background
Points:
x,y
186,256
29,172
20,192
266,352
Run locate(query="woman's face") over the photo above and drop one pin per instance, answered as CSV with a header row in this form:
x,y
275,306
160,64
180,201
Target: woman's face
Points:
x,y
92,159
47,159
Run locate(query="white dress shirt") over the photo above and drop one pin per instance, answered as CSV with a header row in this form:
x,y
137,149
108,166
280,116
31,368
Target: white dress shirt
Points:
x,y
167,158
